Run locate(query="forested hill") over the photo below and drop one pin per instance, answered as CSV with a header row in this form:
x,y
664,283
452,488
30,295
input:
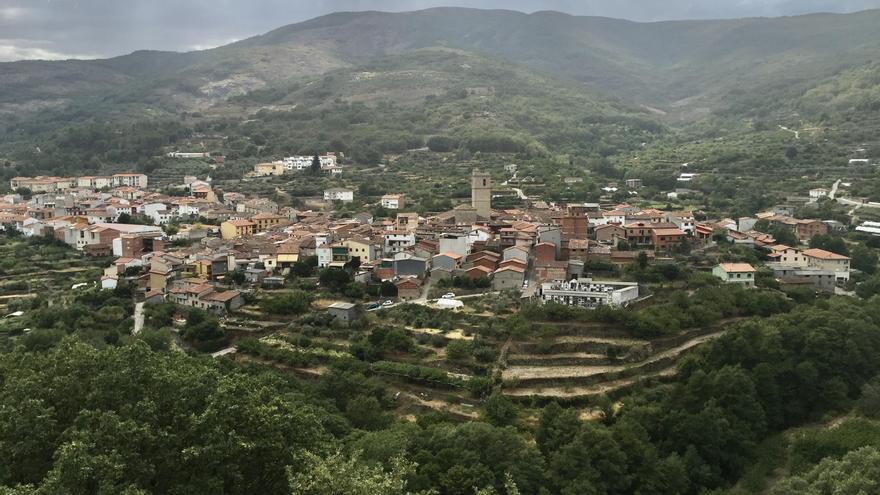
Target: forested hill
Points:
x,y
383,83
659,64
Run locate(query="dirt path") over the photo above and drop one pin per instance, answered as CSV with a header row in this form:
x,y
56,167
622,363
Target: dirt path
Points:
x,y
797,134
834,189
138,318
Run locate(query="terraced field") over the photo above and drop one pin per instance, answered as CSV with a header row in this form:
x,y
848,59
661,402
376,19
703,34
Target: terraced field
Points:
x,y
28,269
573,366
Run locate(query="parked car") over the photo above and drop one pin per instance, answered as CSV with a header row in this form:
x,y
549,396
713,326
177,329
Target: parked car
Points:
x,y
448,295
372,306
388,303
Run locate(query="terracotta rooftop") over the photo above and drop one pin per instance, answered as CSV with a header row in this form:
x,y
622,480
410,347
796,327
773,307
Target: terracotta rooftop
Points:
x,y
737,268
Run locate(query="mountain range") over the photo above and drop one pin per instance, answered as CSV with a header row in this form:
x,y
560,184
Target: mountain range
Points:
x,y
675,72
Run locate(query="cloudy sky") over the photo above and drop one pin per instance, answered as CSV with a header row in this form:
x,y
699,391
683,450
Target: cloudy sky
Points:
x,y
55,29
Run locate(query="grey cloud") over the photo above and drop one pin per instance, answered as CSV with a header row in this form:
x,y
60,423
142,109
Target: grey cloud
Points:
x,y
62,28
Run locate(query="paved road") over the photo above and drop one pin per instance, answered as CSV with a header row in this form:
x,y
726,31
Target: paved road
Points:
x,y
138,318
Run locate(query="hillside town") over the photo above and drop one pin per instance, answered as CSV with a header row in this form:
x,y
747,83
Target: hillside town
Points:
x,y
187,249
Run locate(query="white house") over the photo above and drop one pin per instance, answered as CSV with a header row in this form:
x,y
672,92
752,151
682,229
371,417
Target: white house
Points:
x,y
454,243
130,180
736,273
303,162
397,241
179,154
819,192
158,212
339,194
393,201
684,220
587,293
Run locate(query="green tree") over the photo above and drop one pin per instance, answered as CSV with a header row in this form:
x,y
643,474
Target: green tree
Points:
x,y
869,402
459,351
556,427
295,302
864,259
334,279
339,474
366,413
77,419
500,410
830,243
857,473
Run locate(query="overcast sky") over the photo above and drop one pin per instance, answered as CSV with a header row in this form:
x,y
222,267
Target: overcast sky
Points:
x,y
55,29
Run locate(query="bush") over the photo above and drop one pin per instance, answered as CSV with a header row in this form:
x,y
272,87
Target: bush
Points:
x,y
293,303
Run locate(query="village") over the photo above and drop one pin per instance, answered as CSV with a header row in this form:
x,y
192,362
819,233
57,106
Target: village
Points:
x,y
206,248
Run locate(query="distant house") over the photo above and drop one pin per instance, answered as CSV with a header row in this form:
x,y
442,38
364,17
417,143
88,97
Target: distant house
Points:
x,y
684,220
819,192
446,261
267,169
108,282
393,201
129,180
806,229
485,261
255,275
410,266
517,253
588,293
826,260
344,312
454,243
364,218
666,239
237,228
339,194
736,273
610,233
409,289
478,272
510,277
265,221
180,154
633,183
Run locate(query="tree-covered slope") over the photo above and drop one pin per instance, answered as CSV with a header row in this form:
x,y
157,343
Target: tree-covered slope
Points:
x,y
657,63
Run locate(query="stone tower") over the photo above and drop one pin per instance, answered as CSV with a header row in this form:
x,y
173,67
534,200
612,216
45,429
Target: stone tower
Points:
x,y
481,193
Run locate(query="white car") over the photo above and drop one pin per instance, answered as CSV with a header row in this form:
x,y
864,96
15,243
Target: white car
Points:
x,y
388,303
448,295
